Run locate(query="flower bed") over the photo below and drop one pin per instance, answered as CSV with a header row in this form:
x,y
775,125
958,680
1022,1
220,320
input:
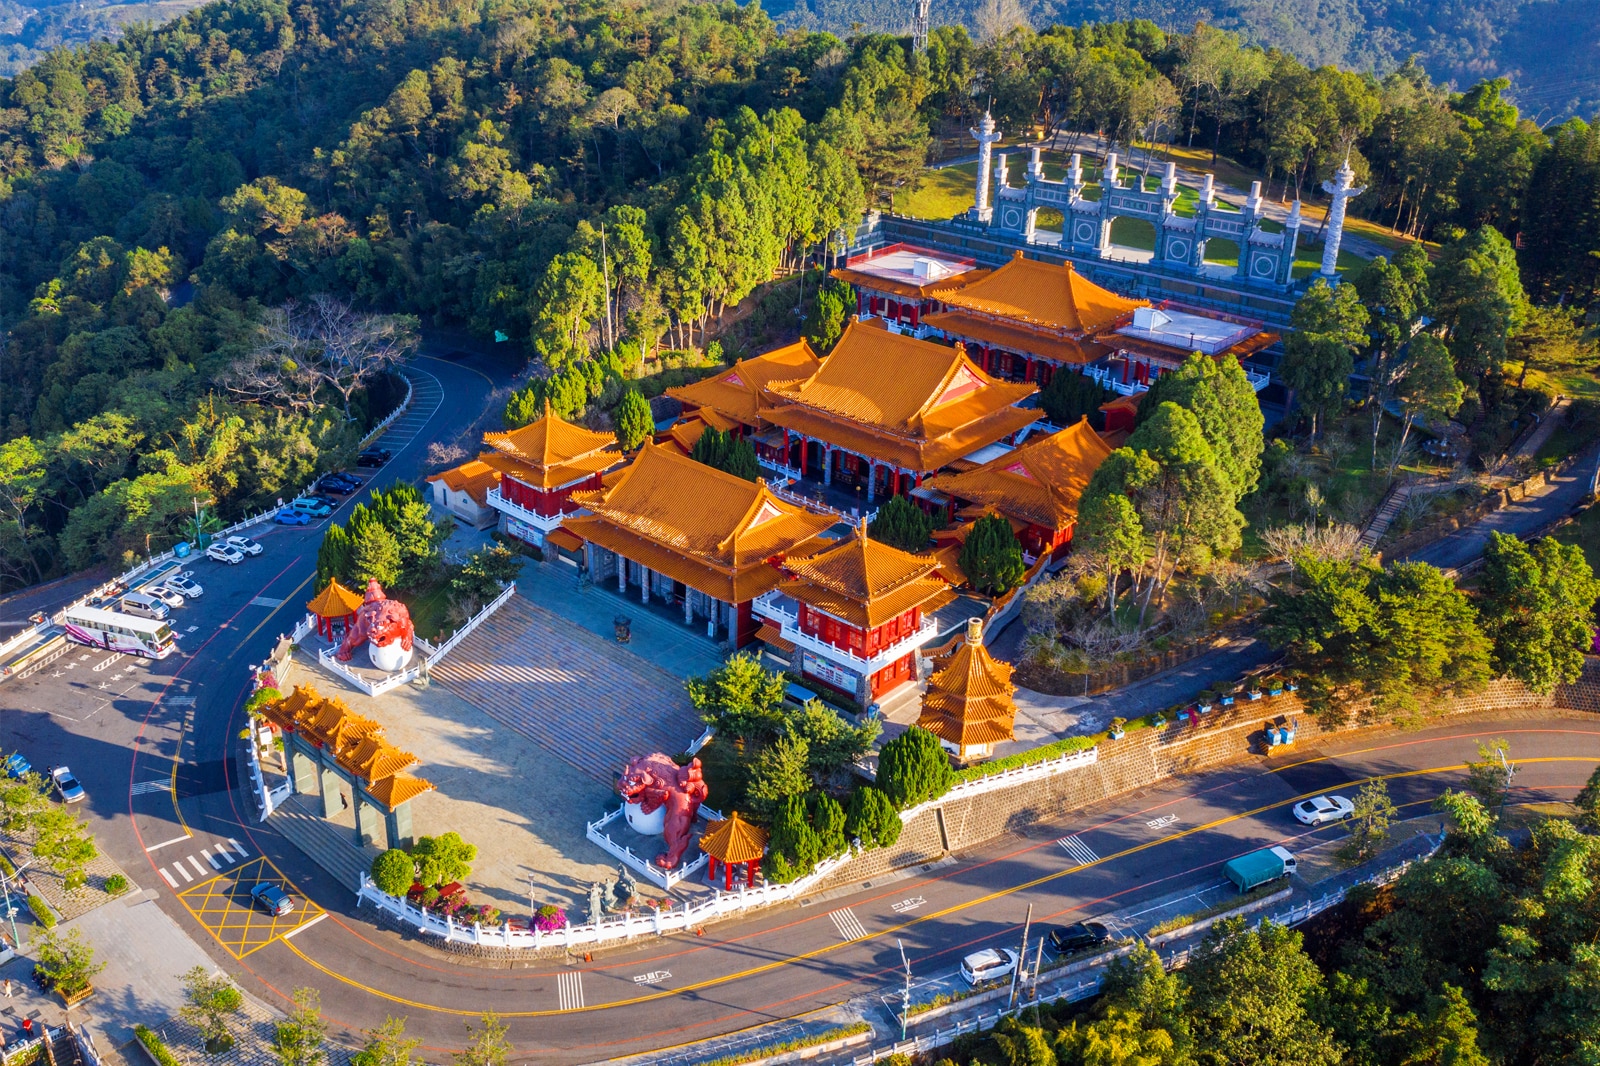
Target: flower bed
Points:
x,y
1029,757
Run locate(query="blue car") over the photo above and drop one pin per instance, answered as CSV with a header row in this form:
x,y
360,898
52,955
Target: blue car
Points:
x,y
290,517
16,765
272,899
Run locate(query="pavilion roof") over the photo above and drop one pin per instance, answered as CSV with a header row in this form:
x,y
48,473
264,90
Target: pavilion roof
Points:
x,y
550,452
735,393
356,743
335,601
707,528
1041,295
894,398
393,791
734,840
970,700
863,581
1041,482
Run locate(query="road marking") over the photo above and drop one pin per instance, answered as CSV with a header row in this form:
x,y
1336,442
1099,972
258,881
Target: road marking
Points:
x,y
192,629
1162,822
188,878
167,877
201,870
849,926
307,925
1078,850
266,601
164,843
99,666
906,906
215,865
652,978
569,991
239,848
141,788
224,854
181,701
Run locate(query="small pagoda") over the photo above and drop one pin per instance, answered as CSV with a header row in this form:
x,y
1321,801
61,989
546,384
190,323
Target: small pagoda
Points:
x,y
734,842
969,704
332,604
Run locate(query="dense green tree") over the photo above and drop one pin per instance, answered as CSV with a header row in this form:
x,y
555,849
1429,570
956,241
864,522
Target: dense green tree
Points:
x,y
780,769
211,999
443,859
1553,339
1329,325
394,871
832,743
727,453
1070,397
1369,822
872,818
1110,534
297,1039
1537,607
740,698
794,846
1476,294
991,556
374,554
902,524
386,1045
1428,388
1588,802
1396,295
1249,993
834,304
633,420
913,767
487,1045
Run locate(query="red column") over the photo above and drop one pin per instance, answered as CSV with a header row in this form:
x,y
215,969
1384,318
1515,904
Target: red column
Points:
x,y
1027,368
915,310
1125,363
753,865
804,447
727,880
786,447
711,876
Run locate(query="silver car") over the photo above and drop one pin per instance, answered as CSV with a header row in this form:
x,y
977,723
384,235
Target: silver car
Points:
x,y
169,596
184,583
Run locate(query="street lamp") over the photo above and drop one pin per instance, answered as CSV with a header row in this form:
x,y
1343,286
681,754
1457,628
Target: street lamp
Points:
x,y
905,992
11,906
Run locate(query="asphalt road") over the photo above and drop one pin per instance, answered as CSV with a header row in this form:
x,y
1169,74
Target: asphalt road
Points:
x,y
154,746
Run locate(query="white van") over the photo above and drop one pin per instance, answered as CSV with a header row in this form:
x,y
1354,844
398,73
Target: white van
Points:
x,y
143,605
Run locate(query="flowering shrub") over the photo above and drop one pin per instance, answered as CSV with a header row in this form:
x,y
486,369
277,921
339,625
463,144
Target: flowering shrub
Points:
x,y
487,915
549,918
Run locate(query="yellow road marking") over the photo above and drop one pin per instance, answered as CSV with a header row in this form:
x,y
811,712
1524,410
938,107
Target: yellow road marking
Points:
x,y
222,905
892,930
270,615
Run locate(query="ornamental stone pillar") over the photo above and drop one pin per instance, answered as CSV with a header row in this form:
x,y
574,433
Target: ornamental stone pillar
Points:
x,y
622,574
330,792
644,583
688,606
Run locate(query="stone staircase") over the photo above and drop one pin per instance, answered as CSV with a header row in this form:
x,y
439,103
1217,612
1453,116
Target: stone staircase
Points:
x,y
1387,512
328,844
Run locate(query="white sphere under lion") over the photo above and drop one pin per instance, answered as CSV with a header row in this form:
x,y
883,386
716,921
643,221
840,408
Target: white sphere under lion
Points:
x,y
652,824
389,657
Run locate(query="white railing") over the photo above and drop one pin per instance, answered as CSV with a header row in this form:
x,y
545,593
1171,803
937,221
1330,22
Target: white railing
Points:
x,y
396,413
472,623
1258,381
768,607
783,492
655,874
430,657
544,522
1016,775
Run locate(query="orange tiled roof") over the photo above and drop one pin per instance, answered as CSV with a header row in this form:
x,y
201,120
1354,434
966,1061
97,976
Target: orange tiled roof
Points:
x,y
356,743
734,840
1017,338
735,393
1041,294
711,527
335,601
864,581
970,701
772,635
475,478
1039,482
551,452
393,791
912,403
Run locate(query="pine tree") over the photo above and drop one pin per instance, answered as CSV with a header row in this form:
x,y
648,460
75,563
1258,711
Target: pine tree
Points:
x,y
336,557
913,767
828,820
727,453
872,819
1070,396
374,554
633,420
991,557
902,524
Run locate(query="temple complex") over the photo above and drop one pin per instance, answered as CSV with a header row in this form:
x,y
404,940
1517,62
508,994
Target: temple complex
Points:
x,y
1036,485
691,536
535,470
852,616
969,702
899,283
732,400
885,410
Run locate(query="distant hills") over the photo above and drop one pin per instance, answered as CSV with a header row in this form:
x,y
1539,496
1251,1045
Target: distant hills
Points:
x,y
1549,48
28,30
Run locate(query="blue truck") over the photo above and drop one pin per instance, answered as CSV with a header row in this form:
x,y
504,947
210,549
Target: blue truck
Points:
x,y
1259,867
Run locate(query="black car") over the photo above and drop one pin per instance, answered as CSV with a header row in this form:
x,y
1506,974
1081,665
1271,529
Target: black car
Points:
x,y
374,457
337,483
322,497
1069,938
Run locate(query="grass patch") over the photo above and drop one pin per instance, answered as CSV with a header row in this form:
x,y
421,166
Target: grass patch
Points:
x,y
1027,758
935,194
429,607
1577,430
1578,384
726,772
1222,252
1133,233
41,912
1223,907
1584,531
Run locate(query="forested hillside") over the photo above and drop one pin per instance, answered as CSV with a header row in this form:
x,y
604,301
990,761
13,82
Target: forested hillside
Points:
x,y
596,183
1550,49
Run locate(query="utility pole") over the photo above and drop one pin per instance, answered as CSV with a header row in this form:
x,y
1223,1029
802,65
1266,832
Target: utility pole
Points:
x,y
1038,965
1022,956
905,992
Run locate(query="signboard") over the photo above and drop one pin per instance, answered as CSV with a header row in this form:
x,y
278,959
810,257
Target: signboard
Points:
x,y
523,531
813,665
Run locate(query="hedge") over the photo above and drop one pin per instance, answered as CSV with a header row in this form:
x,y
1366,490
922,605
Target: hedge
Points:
x,y
1027,758
152,1043
771,1050
41,912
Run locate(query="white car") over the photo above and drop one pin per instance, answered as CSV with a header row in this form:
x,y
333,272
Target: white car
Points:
x,y
1320,810
183,584
243,544
223,553
170,597
990,964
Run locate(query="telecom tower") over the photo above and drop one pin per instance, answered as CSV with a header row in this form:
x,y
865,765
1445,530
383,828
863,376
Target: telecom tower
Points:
x,y
919,24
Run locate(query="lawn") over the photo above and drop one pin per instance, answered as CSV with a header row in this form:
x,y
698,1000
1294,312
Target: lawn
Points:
x,y
429,607
942,193
1584,531
1579,384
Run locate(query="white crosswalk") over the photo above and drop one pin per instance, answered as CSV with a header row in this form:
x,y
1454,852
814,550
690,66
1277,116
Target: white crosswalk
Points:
x,y
1078,850
849,926
141,788
218,857
266,601
569,991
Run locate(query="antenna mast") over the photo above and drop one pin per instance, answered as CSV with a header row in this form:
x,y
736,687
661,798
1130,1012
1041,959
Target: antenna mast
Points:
x,y
919,24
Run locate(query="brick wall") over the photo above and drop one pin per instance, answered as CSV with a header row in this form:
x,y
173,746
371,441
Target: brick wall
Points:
x,y
1148,756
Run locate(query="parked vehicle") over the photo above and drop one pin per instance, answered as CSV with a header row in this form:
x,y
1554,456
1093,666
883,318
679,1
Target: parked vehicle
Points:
x,y
334,483
223,553
119,632
183,582
1320,810
346,477
243,544
67,786
1259,867
307,505
1066,939
990,964
272,899
170,597
16,765
288,516
143,605
374,457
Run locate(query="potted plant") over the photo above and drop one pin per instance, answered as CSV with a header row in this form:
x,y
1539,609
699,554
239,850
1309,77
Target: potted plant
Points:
x,y
549,919
1253,693
1204,704
66,965
1117,725
1229,697
1292,684
1275,686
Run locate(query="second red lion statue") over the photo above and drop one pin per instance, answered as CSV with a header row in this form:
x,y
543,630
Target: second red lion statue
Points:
x,y
380,620
653,781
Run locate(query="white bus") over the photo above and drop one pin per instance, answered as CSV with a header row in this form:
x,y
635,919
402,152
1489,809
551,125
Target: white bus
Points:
x,y
119,632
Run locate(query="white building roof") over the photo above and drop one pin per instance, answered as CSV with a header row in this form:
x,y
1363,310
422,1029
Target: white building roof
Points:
x,y
1186,331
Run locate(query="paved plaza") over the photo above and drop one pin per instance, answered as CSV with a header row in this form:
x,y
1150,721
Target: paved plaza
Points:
x,y
579,697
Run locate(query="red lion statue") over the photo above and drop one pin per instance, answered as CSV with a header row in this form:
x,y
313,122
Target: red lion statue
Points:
x,y
653,781
380,620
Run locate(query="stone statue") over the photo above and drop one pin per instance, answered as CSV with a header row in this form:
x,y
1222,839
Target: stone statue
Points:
x,y
597,902
654,783
385,626
1341,189
626,890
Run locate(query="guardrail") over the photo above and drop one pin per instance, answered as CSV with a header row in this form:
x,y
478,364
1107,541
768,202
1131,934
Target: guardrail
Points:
x,y
399,410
